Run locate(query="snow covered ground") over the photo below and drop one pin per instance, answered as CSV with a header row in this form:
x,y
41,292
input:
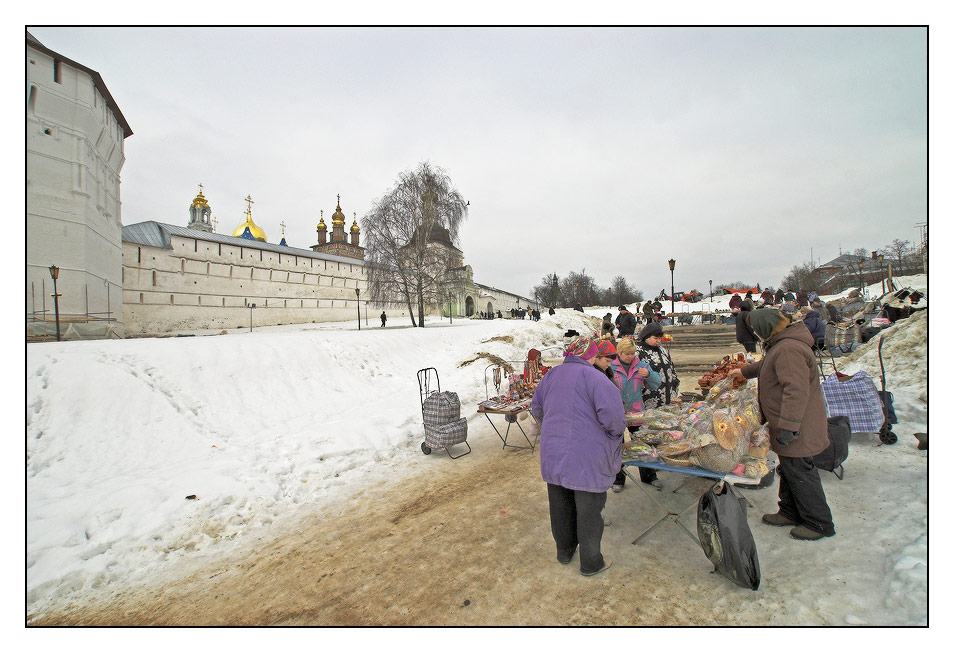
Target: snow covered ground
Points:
x,y
261,427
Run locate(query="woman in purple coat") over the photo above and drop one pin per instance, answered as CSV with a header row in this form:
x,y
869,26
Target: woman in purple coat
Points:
x,y
581,439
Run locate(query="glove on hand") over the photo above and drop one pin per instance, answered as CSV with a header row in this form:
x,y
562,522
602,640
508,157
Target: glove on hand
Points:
x,y
786,437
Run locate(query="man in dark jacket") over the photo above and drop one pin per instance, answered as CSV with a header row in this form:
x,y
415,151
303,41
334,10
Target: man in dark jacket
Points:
x,y
743,332
625,322
832,312
792,406
812,320
778,296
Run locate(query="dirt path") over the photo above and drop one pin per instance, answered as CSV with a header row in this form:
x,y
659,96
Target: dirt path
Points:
x,y
467,544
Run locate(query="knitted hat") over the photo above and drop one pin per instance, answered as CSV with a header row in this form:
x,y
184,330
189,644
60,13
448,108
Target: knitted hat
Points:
x,y
649,330
583,347
766,322
622,308
605,348
626,345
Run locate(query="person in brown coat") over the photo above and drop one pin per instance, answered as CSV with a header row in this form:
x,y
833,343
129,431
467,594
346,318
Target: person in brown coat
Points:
x,y
791,401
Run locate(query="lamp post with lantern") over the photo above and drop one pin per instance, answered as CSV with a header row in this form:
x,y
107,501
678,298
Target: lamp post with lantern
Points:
x,y
357,301
55,273
672,285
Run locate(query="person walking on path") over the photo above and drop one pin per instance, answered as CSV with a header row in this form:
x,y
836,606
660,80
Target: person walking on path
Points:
x,y
735,300
607,326
631,376
384,319
581,437
743,332
625,322
791,401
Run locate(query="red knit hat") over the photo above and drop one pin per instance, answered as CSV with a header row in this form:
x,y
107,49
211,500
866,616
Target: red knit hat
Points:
x,y
606,348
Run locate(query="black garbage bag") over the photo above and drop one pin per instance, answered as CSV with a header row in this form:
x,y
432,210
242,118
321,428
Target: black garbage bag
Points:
x,y
725,536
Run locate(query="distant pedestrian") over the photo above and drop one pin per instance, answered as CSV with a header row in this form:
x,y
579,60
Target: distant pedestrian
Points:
x,y
748,301
552,312
384,319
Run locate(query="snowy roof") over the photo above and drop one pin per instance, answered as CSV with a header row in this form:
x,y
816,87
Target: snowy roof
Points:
x,y
159,234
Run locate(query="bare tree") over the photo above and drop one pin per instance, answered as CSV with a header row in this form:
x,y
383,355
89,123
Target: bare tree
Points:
x,y
578,288
411,235
897,250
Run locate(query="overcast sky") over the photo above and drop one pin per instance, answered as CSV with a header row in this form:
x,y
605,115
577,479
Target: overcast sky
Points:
x,y
739,151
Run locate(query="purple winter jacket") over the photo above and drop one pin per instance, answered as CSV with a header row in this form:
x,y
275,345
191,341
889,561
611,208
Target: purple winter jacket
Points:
x,y
583,420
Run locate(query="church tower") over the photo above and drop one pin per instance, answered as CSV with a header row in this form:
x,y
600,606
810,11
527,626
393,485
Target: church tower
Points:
x,y
355,231
200,213
339,245
337,224
322,230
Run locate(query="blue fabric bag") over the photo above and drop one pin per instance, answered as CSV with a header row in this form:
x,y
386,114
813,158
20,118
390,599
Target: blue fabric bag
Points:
x,y
856,398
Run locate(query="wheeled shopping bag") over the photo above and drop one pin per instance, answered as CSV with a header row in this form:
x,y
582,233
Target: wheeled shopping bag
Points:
x,y
443,425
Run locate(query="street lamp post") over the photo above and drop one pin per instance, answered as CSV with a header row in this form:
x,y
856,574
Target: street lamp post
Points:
x,y
357,294
710,291
450,306
672,285
881,271
250,307
55,272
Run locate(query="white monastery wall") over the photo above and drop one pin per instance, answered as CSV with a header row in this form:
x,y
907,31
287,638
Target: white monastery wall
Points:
x,y
208,285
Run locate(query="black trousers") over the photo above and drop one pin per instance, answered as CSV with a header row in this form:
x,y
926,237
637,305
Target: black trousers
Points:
x,y
646,475
801,496
749,347
576,519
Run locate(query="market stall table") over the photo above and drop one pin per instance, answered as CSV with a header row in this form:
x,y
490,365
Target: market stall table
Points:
x,y
692,471
511,413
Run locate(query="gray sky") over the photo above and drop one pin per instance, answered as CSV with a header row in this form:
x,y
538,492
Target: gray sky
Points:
x,y
738,151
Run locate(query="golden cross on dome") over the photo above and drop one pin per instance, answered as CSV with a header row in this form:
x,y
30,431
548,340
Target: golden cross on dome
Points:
x,y
339,198
250,202
282,223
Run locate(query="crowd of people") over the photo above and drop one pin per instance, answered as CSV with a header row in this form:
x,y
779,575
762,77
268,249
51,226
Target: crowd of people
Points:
x,y
581,407
803,306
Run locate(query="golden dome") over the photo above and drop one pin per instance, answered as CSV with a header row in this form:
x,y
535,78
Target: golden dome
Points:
x,y
338,217
354,226
321,223
257,232
200,200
